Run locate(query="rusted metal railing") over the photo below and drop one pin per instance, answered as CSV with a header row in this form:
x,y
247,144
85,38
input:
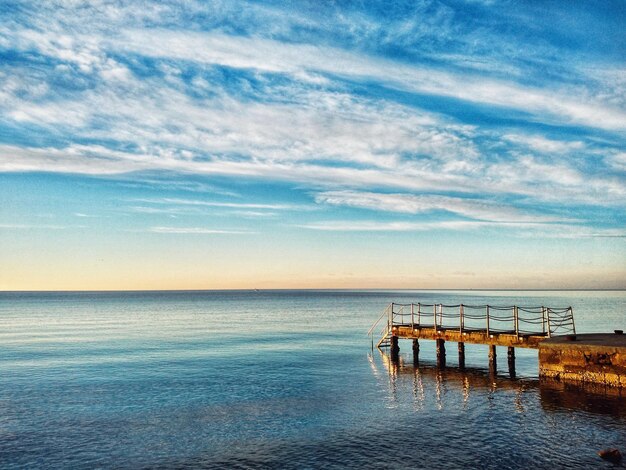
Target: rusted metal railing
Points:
x,y
493,320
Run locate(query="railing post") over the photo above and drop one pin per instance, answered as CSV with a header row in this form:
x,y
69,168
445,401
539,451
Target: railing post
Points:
x,y
571,315
419,313
543,320
435,316
487,320
516,320
412,317
461,324
548,319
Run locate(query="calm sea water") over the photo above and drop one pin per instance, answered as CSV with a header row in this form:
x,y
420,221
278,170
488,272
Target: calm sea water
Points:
x,y
281,379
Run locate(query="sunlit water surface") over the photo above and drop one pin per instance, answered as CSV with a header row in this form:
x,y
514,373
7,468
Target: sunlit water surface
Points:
x,y
281,380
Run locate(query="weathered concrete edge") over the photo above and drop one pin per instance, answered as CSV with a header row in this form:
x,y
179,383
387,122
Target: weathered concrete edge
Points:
x,y
584,362
471,337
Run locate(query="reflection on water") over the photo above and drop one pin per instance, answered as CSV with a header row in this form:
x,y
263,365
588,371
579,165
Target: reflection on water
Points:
x,y
444,382
560,396
460,383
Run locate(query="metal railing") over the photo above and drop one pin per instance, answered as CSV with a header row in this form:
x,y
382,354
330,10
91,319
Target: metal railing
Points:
x,y
383,334
515,320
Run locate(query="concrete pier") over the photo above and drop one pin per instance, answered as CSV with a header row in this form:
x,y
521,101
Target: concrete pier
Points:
x,y
470,337
598,358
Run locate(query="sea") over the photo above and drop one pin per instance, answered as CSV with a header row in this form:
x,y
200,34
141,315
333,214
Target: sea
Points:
x,y
284,379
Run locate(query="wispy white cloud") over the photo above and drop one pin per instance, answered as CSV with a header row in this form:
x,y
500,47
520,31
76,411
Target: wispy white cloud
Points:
x,y
543,144
168,184
295,111
519,229
254,214
317,137
399,226
234,205
522,175
554,181
279,57
197,231
158,210
38,227
299,60
414,204
169,127
617,161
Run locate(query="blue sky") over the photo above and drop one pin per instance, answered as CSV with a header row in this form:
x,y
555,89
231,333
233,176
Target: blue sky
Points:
x,y
182,144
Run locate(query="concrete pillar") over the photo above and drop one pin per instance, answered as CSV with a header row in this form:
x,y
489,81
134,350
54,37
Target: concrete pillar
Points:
x,y
441,352
462,355
493,365
416,351
511,357
394,349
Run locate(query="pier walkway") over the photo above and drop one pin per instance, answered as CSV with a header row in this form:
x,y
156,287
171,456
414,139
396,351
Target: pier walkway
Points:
x,y
512,326
595,358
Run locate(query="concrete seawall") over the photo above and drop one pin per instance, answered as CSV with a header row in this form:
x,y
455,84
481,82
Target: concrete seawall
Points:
x,y
598,358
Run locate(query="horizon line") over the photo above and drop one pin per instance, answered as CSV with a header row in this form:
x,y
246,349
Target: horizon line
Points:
x,y
343,289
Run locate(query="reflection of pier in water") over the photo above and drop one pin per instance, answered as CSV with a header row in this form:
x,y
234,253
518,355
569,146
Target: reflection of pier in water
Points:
x,y
555,396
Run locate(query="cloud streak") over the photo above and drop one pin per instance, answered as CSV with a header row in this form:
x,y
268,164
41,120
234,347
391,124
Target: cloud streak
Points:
x,y
229,205
277,57
518,229
196,231
415,204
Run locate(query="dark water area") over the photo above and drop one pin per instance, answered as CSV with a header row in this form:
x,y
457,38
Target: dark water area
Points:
x,y
282,379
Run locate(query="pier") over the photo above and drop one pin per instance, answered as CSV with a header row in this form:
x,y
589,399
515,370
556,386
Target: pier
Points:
x,y
597,358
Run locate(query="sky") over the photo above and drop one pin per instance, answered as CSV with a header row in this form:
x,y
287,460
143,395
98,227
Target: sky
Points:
x,y
312,144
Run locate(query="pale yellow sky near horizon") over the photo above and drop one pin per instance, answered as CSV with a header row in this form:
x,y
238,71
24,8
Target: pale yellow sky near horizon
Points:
x,y
113,250
208,265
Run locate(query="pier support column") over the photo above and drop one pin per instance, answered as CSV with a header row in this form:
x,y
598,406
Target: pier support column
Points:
x,y
461,355
493,365
394,349
511,357
441,352
416,351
